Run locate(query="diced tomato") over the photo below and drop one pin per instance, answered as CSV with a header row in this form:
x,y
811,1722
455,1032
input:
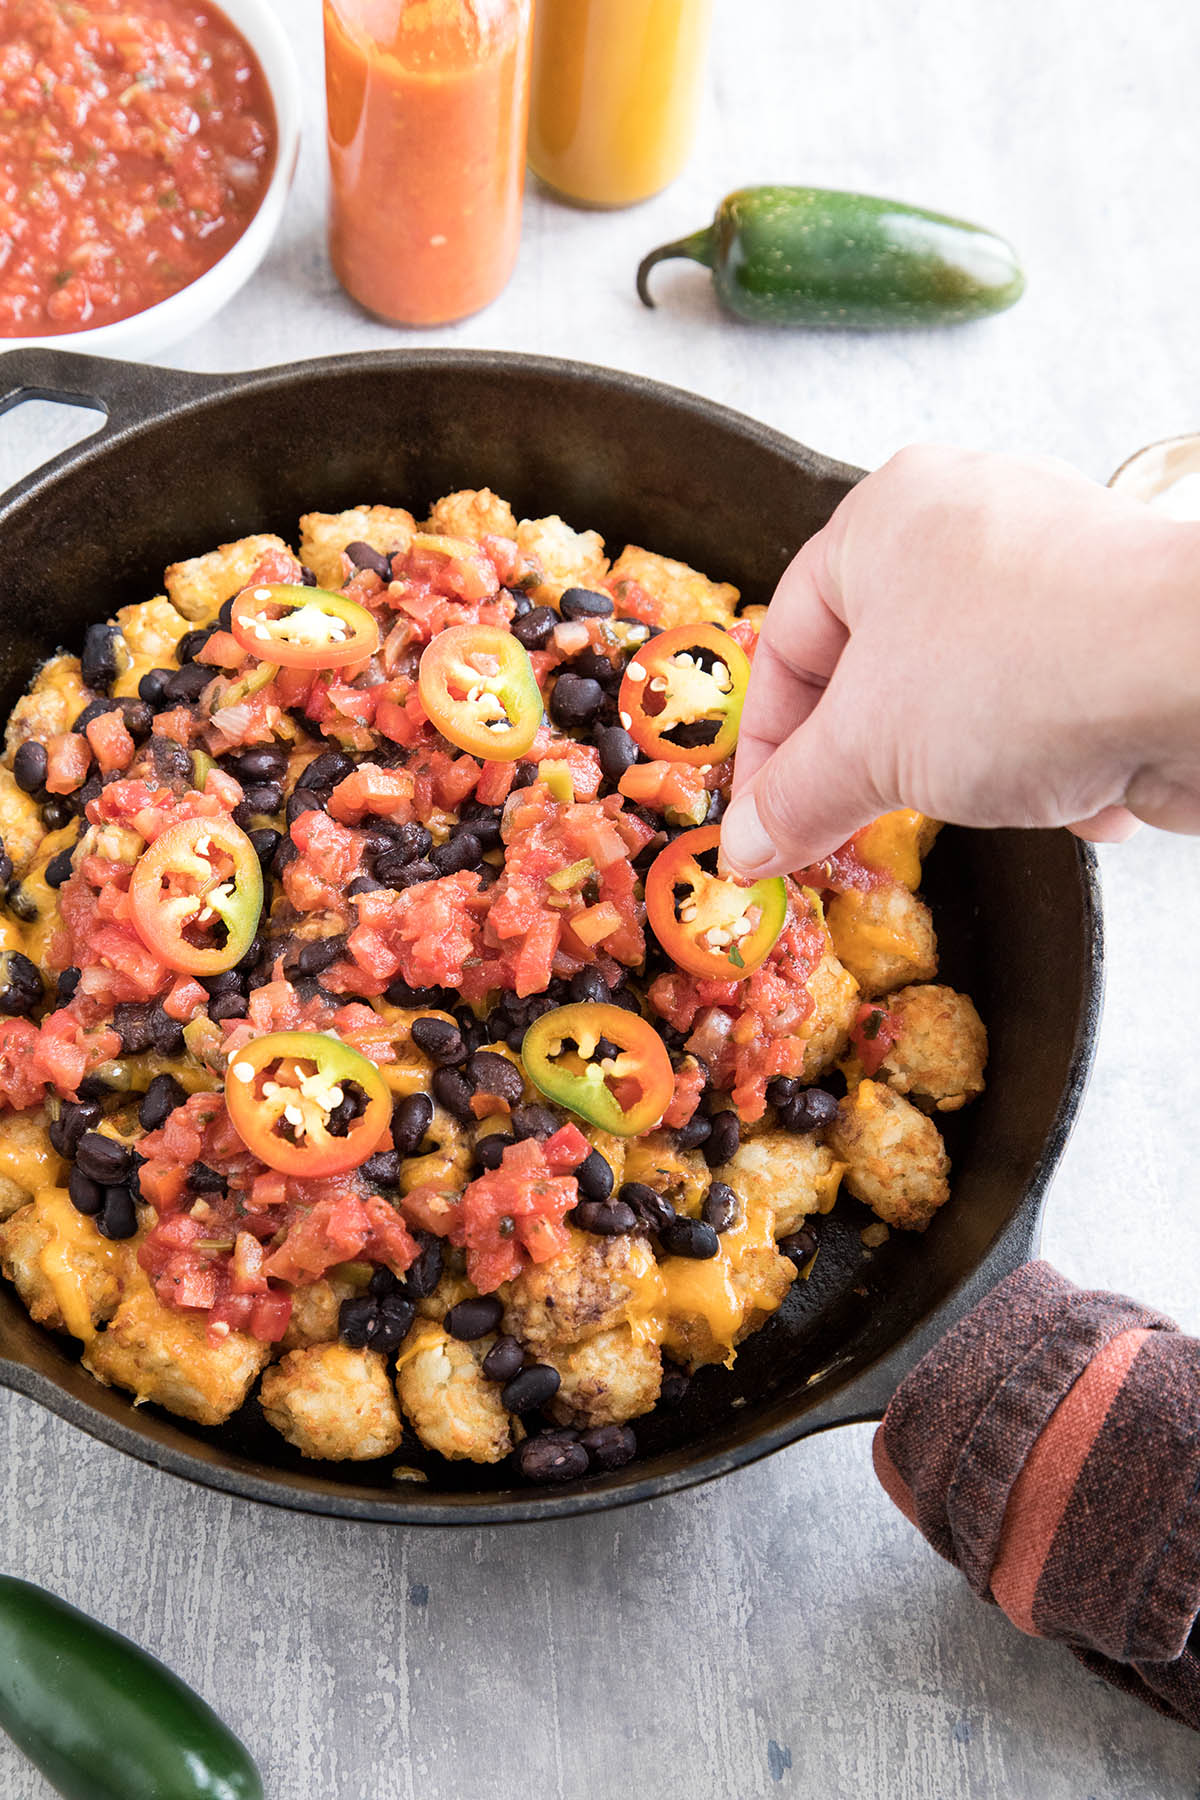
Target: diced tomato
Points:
x,y
270,1316
330,857
583,762
223,651
179,725
246,1268
112,743
162,1184
674,788
335,1230
874,1034
68,759
427,934
745,635
535,960
21,1082
403,720
565,1150
454,778
185,999
691,1078
371,789
495,783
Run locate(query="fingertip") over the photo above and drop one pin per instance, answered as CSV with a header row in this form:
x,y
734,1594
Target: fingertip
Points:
x,y
746,844
1111,825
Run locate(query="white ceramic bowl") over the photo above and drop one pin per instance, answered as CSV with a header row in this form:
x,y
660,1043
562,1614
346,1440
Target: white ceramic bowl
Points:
x,y
144,334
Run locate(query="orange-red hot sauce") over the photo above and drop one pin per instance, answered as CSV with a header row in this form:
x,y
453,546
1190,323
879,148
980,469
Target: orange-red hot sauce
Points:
x,y
428,111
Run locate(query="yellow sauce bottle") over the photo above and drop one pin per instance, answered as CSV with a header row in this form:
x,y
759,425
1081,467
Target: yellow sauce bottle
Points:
x,y
616,91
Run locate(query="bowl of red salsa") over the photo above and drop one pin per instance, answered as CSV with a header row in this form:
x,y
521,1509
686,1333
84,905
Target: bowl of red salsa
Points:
x,y
146,152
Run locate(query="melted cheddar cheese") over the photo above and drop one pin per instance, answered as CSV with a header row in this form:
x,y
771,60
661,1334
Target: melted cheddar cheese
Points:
x,y
895,843
73,1246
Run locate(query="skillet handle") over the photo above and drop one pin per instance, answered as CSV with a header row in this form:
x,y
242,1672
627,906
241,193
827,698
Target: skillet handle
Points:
x,y
127,393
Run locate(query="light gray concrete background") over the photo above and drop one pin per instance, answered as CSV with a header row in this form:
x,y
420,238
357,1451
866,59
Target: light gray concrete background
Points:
x,y
784,1632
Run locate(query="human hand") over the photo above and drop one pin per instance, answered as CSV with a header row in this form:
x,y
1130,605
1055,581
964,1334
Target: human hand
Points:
x,y
992,641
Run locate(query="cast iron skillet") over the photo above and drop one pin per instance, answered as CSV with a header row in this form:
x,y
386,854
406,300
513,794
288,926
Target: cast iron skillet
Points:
x,y
185,462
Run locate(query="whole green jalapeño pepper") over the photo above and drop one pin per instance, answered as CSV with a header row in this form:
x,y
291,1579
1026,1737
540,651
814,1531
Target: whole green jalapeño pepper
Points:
x,y
819,257
102,1719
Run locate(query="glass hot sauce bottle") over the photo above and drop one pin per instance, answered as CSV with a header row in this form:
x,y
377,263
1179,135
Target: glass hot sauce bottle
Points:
x,y
428,105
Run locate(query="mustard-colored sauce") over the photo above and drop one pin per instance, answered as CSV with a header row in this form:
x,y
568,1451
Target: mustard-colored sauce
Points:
x,y
616,93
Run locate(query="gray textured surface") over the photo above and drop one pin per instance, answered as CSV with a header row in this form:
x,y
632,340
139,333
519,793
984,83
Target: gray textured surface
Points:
x,y
784,1632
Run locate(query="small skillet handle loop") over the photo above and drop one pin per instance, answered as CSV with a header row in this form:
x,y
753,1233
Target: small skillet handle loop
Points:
x,y
126,393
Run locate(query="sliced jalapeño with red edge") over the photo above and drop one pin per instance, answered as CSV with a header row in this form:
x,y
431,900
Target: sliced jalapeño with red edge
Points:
x,y
602,1063
197,895
303,627
288,1096
478,688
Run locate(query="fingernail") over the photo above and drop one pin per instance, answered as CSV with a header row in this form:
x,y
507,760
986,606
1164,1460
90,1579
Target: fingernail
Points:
x,y
745,842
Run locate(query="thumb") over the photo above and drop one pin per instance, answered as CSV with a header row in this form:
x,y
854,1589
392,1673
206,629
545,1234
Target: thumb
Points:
x,y
805,801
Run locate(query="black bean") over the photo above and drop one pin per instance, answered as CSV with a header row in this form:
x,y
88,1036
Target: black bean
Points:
x,y
6,866
87,1196
58,869
721,1208
400,994
139,720
422,1276
20,984
504,1359
152,688
382,1282
159,1101
133,1023
618,752
76,1117
343,1115
393,1321
98,658
250,961
411,1119
326,770
812,1109
474,1032
192,642
228,1006
675,1384
453,1091
356,1321
68,981
285,854
266,842
412,840
471,1319
307,578
484,821
58,811
203,1180
723,1139
441,1041
584,603
29,766
689,1237
301,802
653,1209
534,1122
589,985
392,866
413,873
696,1132
264,797
462,851
606,1050
609,1446
490,1150
22,903
595,1176
526,775
184,686
547,1458
716,807
781,1089
365,556
118,1218
575,700
597,667
168,1032
225,615
492,1073
530,1388
102,1158
799,1245
521,602
605,1218
382,1169
321,954
363,884
533,630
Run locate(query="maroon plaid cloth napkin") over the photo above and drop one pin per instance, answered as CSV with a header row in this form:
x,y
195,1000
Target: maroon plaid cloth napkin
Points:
x,y
1049,1447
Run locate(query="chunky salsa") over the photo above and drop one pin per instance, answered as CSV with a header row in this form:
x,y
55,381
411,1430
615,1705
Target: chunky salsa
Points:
x,y
136,144
373,1003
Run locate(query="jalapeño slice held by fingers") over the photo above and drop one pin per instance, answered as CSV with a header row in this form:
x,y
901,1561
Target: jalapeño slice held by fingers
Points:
x,y
714,926
683,693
